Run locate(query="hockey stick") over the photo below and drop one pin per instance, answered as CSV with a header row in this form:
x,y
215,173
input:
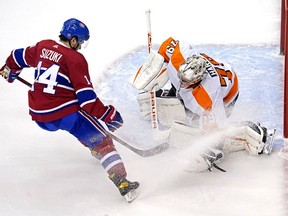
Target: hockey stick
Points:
x,y
148,20
154,117
24,82
142,152
157,134
21,80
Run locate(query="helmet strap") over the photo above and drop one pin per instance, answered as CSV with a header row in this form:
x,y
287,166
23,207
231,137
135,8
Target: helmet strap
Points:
x,y
193,85
74,48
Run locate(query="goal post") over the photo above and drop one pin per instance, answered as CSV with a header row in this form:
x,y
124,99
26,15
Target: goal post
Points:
x,y
283,24
283,51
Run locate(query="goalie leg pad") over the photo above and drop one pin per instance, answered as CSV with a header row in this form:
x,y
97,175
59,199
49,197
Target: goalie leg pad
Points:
x,y
232,144
168,109
250,136
183,135
143,100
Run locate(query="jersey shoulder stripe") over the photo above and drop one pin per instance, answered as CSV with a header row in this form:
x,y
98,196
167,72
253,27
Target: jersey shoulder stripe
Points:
x,y
55,109
18,57
202,97
86,95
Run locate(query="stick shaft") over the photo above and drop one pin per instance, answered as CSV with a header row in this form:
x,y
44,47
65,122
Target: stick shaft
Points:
x,y
148,20
154,116
24,81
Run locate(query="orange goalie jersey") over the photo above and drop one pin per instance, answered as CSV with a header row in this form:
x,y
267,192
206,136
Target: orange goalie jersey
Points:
x,y
213,99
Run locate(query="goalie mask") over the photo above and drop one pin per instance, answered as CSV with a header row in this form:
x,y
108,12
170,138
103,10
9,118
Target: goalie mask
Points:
x,y
192,71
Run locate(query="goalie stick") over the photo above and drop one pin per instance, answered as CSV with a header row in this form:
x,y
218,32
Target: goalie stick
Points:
x,y
154,117
142,152
157,133
149,29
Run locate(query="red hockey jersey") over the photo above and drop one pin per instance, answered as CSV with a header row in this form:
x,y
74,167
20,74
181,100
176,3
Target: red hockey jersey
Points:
x,y
62,82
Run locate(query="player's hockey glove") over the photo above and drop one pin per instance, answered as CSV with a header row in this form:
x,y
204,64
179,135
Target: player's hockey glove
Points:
x,y
8,74
112,118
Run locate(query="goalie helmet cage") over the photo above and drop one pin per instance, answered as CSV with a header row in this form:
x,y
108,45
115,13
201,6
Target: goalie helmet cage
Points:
x,y
283,51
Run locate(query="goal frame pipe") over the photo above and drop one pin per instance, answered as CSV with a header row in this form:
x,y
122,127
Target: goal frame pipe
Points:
x,y
283,28
284,43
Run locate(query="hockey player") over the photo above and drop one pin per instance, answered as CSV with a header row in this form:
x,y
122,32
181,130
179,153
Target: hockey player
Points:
x,y
207,88
207,91
62,97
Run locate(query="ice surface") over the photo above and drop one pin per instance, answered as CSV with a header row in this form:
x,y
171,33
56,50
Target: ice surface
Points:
x,y
51,174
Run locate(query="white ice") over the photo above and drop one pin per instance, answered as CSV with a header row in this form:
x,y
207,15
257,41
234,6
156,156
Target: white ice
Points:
x,y
49,174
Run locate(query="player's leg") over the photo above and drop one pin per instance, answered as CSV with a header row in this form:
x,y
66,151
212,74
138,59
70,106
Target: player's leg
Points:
x,y
89,131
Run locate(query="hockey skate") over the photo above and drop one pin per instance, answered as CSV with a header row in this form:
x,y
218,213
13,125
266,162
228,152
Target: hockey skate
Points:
x,y
205,161
126,188
212,157
268,140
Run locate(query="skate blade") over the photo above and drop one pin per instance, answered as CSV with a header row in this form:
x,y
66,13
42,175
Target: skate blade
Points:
x,y
269,145
132,195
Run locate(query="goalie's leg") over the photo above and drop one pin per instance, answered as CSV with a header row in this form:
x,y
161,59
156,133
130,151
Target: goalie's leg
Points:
x,y
252,137
169,109
257,138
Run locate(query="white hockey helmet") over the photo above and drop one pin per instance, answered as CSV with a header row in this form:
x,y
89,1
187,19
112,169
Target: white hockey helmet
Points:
x,y
192,71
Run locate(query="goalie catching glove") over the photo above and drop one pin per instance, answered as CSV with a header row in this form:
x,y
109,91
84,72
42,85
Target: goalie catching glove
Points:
x,y
112,118
8,74
152,74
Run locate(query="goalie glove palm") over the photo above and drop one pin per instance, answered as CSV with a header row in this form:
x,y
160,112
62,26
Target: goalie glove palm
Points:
x,y
112,118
